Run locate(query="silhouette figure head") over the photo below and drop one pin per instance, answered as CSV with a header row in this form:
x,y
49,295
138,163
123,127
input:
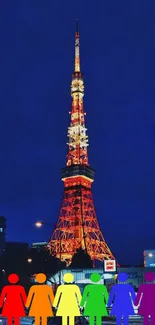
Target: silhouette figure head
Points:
x,y
122,277
41,278
149,276
68,277
95,277
13,278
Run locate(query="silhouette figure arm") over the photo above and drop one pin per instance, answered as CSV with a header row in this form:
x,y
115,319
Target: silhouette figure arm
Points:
x,y
30,296
57,297
111,296
138,297
78,294
106,295
2,297
51,295
132,292
84,297
23,295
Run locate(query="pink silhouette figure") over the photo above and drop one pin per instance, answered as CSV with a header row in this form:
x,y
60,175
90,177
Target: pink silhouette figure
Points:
x,y
12,300
146,299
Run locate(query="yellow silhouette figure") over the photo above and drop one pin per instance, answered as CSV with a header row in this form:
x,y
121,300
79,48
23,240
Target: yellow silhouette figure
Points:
x,y
67,299
40,298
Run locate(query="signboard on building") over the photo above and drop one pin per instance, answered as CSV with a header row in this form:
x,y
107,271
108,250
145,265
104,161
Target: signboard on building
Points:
x,y
149,258
109,266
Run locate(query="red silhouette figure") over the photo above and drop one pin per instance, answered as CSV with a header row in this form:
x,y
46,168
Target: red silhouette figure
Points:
x,y
12,300
146,299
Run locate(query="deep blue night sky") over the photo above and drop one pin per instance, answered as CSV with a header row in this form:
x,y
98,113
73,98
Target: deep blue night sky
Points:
x,y
118,62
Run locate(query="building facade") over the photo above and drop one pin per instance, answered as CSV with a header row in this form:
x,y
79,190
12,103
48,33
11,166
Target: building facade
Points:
x,y
40,246
15,257
82,276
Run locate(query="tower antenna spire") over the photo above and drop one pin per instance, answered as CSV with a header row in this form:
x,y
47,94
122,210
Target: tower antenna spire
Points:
x,y
77,48
77,26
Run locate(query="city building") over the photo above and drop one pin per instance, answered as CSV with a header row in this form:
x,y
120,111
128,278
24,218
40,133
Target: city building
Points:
x,y
16,248
40,246
15,256
77,225
82,276
2,234
149,258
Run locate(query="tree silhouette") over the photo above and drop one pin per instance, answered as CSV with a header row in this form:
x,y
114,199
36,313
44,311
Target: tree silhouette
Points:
x,y
42,261
81,259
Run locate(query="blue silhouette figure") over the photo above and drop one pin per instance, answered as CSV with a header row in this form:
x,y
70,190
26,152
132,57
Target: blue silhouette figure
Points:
x,y
120,296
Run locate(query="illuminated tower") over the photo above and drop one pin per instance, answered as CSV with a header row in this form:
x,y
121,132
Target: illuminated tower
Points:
x,y
77,225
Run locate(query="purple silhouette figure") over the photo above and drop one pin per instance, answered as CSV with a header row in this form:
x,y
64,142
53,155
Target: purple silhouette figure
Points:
x,y
146,299
122,296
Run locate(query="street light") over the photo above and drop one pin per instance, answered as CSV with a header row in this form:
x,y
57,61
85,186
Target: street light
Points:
x,y
41,223
38,224
150,255
29,260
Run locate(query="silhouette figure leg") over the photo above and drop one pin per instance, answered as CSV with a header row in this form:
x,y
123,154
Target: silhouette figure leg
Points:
x,y
126,319
16,320
92,320
146,320
44,320
9,320
98,320
64,320
152,320
119,320
71,320
37,320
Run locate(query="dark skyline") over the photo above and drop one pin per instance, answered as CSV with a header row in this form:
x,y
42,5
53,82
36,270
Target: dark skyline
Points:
x,y
117,59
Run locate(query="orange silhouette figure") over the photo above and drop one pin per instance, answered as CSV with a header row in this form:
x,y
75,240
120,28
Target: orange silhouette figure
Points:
x,y
12,300
41,298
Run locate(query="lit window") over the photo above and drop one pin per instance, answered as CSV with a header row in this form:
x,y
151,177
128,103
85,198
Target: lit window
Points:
x,y
1,229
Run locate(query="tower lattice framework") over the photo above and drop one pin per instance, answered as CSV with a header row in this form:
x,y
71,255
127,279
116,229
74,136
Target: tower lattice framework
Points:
x,y
77,225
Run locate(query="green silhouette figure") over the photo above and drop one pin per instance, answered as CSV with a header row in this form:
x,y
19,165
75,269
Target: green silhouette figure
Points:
x,y
94,300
